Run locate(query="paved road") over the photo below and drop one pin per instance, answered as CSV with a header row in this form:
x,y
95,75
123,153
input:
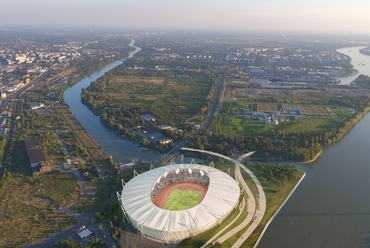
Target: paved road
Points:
x,y
260,212
82,219
241,209
251,208
255,216
212,109
207,122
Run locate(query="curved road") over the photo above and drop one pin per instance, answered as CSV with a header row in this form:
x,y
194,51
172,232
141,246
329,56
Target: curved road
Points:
x,y
256,214
207,122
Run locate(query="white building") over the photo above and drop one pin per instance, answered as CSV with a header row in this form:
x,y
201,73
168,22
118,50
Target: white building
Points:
x,y
221,198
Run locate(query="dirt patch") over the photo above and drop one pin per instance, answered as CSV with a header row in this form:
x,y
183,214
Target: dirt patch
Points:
x,y
162,197
133,80
268,107
314,110
66,72
130,239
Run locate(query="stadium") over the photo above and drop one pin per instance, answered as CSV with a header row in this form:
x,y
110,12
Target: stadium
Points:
x,y
204,197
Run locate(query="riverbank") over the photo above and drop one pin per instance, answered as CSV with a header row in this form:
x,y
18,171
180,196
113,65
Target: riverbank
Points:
x,y
353,73
121,149
278,210
365,51
325,203
286,161
312,160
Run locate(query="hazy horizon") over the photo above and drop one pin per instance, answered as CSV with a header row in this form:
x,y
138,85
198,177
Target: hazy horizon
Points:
x,y
217,15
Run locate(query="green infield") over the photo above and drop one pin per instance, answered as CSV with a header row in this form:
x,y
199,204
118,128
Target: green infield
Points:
x,y
182,199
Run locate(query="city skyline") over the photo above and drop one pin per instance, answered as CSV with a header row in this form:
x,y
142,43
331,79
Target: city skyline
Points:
x,y
218,15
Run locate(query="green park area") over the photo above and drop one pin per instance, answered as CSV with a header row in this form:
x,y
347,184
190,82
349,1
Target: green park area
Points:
x,y
175,99
182,199
236,119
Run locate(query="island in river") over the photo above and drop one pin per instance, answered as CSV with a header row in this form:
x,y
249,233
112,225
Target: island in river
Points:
x,y
365,51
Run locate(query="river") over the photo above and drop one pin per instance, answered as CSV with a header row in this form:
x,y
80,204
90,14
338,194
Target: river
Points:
x,y
331,207
357,60
121,149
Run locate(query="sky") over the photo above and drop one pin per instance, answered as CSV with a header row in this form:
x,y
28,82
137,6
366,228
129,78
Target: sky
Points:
x,y
337,16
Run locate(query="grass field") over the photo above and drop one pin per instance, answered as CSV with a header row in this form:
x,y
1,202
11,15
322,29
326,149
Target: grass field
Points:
x,y
232,123
28,207
103,192
314,110
172,98
268,107
182,199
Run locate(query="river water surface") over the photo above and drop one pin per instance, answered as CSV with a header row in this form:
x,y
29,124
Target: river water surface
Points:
x,y
331,207
121,149
359,61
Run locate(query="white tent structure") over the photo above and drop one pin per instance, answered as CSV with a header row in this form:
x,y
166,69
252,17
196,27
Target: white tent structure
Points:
x,y
167,226
84,233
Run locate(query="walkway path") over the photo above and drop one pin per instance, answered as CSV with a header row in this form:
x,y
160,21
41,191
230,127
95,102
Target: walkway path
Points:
x,y
241,208
251,207
260,212
254,216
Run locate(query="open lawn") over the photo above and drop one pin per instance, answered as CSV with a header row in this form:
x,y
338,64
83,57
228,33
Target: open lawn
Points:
x,y
232,107
66,72
268,107
104,192
61,189
340,112
172,98
182,199
232,121
236,126
314,110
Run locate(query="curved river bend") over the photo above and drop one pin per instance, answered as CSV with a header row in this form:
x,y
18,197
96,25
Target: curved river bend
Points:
x,y
357,59
331,207
121,149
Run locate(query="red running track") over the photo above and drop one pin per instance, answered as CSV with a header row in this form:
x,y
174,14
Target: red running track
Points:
x,y
162,197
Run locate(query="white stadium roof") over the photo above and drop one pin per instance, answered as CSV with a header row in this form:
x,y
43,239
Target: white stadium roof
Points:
x,y
172,226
